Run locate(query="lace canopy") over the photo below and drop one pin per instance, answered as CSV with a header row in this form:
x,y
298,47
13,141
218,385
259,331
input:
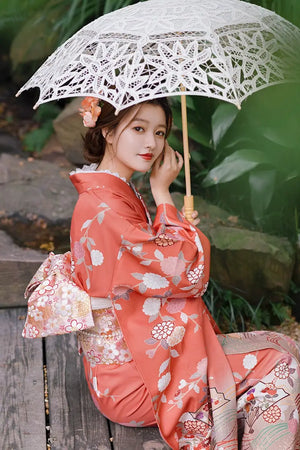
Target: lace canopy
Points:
x,y
226,49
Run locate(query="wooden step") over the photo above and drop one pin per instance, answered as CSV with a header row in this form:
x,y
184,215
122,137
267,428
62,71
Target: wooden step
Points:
x,y
17,266
72,420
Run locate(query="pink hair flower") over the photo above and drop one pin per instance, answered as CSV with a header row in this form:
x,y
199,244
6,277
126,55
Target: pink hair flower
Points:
x,y
90,111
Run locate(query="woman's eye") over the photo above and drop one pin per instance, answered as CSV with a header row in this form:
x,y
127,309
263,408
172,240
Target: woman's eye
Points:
x,y
161,133
138,128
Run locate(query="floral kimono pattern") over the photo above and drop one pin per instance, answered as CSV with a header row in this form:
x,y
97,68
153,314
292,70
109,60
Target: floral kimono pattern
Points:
x,y
208,390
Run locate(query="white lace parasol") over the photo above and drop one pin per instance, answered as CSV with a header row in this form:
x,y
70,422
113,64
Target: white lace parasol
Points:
x,y
226,49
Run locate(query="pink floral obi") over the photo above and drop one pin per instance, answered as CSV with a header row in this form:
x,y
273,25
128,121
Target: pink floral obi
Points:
x,y
56,305
104,343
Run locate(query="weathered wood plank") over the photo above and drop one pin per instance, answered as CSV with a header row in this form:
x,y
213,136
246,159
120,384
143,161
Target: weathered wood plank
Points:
x,y
17,274
22,412
17,266
137,438
75,422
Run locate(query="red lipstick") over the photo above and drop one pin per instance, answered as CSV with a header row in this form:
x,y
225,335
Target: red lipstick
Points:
x,y
146,156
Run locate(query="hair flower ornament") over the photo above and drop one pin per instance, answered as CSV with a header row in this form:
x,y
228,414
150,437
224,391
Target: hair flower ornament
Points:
x,y
90,111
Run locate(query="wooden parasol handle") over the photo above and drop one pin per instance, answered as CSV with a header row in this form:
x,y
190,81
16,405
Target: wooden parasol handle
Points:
x,y
188,199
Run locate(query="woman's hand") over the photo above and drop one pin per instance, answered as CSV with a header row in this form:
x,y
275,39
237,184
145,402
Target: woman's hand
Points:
x,y
195,219
164,171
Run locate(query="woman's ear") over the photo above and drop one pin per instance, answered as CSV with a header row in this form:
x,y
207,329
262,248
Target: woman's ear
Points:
x,y
108,135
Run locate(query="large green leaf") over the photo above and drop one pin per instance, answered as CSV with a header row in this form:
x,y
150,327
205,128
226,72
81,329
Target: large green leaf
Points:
x,y
289,9
222,119
13,14
235,165
196,130
36,39
262,183
175,142
112,5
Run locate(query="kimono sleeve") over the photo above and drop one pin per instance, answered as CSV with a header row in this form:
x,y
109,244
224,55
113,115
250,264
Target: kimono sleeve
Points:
x,y
170,260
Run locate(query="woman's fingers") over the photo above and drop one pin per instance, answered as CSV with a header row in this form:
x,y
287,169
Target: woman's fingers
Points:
x,y
195,219
172,158
179,160
166,168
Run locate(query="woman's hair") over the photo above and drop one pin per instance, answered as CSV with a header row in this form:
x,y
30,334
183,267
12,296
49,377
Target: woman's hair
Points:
x,y
94,142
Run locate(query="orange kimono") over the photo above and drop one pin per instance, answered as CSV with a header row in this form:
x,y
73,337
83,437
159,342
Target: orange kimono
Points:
x,y
152,353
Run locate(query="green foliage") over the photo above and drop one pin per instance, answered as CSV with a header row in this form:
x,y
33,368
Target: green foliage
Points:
x,y
35,140
233,313
233,166
256,168
14,13
290,9
46,25
247,161
221,120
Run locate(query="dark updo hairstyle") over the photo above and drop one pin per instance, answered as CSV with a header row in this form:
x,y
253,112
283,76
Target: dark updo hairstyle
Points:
x,y
94,142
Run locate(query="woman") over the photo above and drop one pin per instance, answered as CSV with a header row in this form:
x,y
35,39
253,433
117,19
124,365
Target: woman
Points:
x,y
151,351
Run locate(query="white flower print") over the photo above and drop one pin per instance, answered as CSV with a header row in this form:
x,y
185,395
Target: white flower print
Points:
x,y
195,275
151,306
68,291
163,382
97,257
162,330
42,301
176,336
51,325
249,361
46,288
106,324
111,352
272,414
125,355
93,357
36,314
63,308
32,332
282,371
73,326
154,281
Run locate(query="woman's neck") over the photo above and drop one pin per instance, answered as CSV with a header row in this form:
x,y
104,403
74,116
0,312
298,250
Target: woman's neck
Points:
x,y
109,163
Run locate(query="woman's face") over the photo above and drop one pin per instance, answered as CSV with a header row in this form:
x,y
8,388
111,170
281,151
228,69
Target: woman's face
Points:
x,y
137,141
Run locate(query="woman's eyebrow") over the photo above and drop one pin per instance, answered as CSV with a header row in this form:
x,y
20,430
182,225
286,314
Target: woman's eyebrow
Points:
x,y
137,119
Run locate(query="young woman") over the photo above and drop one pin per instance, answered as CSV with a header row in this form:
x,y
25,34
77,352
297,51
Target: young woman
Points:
x,y
132,290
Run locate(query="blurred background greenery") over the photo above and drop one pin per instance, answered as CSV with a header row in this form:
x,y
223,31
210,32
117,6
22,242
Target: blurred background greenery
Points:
x,y
247,162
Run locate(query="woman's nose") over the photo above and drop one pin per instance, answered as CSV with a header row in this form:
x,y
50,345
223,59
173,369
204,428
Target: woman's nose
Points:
x,y
150,140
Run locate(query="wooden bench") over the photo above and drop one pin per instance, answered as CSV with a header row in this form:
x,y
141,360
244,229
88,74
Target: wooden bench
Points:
x,y
63,418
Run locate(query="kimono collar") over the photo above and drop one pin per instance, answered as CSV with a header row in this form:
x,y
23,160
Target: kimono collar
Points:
x,y
88,180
